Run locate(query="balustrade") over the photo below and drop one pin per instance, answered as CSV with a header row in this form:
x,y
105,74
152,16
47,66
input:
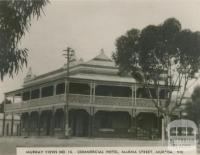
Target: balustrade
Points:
x,y
141,102
114,101
14,106
81,99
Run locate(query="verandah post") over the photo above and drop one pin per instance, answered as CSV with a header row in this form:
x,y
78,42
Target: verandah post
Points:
x,y
12,124
39,119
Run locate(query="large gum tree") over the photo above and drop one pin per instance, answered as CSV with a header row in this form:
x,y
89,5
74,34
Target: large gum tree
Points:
x,y
15,19
157,55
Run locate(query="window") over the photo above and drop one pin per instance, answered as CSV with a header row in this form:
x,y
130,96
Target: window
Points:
x,y
26,96
181,131
190,131
79,88
163,94
115,91
47,91
35,94
60,88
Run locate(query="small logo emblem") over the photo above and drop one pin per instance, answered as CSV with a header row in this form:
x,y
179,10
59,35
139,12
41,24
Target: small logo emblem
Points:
x,y
182,135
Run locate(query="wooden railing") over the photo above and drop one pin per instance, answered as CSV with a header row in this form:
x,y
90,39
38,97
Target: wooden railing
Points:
x,y
142,102
14,106
48,101
81,99
114,101
35,103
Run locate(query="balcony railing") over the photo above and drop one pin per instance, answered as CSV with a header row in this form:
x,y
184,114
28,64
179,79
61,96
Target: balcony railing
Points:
x,y
77,99
35,103
142,102
114,101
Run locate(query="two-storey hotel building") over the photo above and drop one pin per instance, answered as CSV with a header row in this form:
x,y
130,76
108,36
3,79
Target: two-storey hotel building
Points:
x,y
95,101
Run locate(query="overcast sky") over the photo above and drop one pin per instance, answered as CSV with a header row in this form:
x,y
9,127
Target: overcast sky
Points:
x,y
89,25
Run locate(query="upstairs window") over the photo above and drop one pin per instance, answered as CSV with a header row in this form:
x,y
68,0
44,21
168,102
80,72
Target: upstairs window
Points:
x,y
26,96
47,91
35,94
163,94
60,88
115,91
79,88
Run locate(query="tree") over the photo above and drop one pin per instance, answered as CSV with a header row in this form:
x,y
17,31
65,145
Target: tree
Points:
x,y
193,107
160,55
15,19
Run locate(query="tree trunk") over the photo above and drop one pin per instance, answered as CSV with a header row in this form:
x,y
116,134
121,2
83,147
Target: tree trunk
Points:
x,y
167,120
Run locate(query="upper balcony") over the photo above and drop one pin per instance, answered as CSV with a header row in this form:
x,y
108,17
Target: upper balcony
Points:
x,y
79,100
79,95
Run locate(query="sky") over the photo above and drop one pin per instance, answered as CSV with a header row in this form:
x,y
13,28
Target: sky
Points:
x,y
89,25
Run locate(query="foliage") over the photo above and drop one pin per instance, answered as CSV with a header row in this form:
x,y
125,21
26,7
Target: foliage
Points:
x,y
160,55
193,107
15,19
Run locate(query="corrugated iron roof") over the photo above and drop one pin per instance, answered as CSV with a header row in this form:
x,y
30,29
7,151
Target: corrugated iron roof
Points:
x,y
104,78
